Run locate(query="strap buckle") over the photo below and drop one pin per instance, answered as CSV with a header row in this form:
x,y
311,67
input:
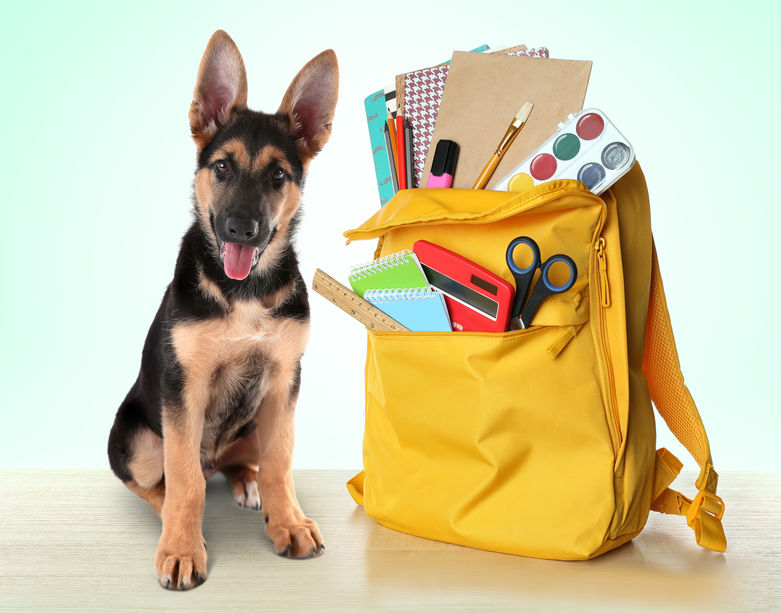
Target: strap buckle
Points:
x,y
712,503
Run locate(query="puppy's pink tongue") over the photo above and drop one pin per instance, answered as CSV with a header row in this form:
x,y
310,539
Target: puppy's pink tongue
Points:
x,y
238,260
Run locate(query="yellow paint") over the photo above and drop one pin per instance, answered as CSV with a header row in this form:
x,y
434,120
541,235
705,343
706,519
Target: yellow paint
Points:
x,y
520,183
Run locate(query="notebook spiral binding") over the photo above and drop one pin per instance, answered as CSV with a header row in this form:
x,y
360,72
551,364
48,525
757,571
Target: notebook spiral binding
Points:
x,y
389,261
397,294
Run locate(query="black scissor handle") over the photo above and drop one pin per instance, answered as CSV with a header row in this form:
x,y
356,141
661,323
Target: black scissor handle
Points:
x,y
545,287
523,276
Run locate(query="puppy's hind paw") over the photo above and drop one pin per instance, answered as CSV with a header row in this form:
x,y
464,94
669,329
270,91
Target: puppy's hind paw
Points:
x,y
244,486
245,493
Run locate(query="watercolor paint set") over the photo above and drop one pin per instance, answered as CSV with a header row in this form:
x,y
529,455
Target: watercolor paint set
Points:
x,y
587,147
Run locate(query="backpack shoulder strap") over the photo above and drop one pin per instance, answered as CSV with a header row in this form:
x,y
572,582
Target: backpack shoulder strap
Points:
x,y
676,406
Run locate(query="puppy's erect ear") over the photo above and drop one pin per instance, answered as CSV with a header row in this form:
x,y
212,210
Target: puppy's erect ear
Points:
x,y
220,89
310,101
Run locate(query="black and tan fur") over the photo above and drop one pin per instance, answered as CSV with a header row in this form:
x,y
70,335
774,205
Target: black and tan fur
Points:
x,y
220,369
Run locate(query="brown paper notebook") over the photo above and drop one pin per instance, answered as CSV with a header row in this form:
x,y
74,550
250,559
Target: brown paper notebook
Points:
x,y
401,77
483,93
418,94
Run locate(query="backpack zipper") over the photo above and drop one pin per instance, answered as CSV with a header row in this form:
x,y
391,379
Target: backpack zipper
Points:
x,y
614,425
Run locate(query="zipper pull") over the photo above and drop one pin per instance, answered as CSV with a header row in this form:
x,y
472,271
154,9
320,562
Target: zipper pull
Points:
x,y
603,282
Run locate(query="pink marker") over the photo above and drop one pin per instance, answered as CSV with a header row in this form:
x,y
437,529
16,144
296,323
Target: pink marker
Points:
x,y
443,166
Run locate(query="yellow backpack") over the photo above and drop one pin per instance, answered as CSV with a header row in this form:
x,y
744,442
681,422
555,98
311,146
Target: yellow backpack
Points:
x,y
538,442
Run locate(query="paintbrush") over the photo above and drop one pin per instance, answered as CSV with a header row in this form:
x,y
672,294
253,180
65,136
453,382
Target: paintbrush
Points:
x,y
517,123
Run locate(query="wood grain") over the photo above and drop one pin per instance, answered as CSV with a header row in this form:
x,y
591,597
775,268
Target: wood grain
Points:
x,y
79,541
352,304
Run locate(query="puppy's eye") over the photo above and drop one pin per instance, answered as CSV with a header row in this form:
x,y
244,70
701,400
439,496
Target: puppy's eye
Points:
x,y
279,174
220,168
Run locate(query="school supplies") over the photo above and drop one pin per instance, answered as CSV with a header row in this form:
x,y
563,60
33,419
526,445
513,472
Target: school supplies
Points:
x,y
444,165
417,100
400,83
421,309
524,276
397,270
374,104
391,102
489,87
401,160
377,105
409,153
391,162
587,147
394,142
352,304
476,299
509,136
423,91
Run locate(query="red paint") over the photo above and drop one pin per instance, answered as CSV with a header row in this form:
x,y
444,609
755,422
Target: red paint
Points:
x,y
543,167
590,126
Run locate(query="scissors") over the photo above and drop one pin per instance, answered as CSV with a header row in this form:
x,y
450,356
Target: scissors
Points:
x,y
524,277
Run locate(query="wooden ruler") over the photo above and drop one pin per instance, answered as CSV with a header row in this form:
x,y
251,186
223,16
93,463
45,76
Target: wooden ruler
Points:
x,y
352,304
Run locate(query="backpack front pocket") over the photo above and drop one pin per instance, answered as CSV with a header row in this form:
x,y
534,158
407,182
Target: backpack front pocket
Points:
x,y
487,440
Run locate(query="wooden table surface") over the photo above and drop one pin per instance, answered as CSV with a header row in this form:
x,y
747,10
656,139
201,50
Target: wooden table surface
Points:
x,y
79,541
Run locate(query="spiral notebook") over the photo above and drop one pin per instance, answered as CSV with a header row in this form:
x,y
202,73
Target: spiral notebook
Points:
x,y
397,270
421,309
397,285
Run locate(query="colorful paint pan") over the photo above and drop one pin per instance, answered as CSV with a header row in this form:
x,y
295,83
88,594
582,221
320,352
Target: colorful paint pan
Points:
x,y
587,147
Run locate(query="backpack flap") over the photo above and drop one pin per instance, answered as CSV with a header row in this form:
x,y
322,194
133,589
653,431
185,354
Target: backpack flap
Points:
x,y
422,206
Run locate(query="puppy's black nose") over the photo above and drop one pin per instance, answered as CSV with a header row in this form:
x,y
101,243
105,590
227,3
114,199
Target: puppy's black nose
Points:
x,y
239,229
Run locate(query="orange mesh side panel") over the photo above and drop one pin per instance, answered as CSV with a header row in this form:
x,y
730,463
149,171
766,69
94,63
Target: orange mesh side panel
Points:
x,y
665,380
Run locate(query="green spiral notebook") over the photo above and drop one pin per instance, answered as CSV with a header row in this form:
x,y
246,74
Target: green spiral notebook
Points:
x,y
397,270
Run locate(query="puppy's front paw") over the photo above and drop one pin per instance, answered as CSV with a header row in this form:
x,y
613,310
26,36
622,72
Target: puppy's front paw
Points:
x,y
299,539
180,568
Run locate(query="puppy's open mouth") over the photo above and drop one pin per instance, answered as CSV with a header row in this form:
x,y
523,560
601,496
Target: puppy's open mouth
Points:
x,y
238,259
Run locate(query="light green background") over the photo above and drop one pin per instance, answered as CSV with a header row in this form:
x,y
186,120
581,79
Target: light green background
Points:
x,y
97,168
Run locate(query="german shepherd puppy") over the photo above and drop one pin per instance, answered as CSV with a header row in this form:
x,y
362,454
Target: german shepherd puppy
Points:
x,y
220,368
